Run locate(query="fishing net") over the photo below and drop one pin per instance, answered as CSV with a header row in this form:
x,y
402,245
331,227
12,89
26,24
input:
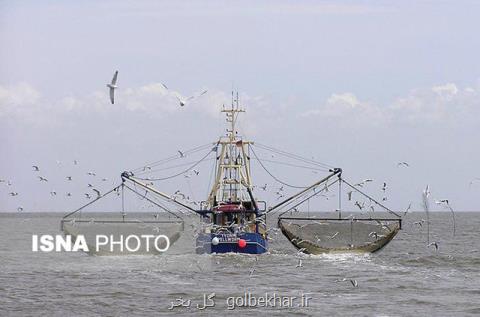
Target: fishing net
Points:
x,y
317,235
144,226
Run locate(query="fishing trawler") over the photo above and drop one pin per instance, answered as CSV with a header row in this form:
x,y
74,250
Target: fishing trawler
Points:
x,y
234,222
232,219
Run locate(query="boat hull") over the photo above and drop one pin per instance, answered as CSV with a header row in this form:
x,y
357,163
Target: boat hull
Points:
x,y
228,243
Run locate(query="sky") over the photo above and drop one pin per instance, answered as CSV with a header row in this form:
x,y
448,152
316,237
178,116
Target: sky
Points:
x,y
360,85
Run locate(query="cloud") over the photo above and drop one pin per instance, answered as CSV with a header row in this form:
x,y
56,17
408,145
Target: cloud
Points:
x,y
438,104
17,99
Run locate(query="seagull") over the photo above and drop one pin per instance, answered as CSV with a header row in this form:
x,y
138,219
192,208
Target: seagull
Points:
x,y
89,185
299,264
403,164
368,180
97,192
19,209
42,179
349,194
183,101
334,235
181,153
434,243
373,234
104,179
91,173
87,196
69,178
420,223
35,168
476,179
113,86
354,283
360,206
13,194
75,162
408,209
196,172
264,187
147,168
427,191
69,194
384,187
53,193
442,201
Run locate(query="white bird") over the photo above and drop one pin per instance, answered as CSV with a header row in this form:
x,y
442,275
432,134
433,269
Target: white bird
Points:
x,y
69,194
384,187
13,194
360,206
368,180
35,168
419,223
349,194
354,283
97,192
112,86
87,196
20,209
42,179
408,209
476,179
53,193
183,101
434,243
299,264
181,153
404,164
89,185
91,173
427,191
334,235
69,178
264,187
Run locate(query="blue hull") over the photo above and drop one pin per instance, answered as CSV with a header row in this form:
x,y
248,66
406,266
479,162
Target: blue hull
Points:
x,y
256,244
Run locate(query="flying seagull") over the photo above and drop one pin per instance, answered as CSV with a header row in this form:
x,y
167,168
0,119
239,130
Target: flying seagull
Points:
x,y
42,179
112,86
408,209
434,243
35,168
183,101
299,264
404,164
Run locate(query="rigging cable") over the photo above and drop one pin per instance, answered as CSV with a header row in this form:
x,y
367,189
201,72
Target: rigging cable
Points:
x,y
173,157
372,199
178,174
294,156
268,172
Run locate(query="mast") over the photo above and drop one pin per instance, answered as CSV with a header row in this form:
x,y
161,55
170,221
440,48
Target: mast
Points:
x,y
232,176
